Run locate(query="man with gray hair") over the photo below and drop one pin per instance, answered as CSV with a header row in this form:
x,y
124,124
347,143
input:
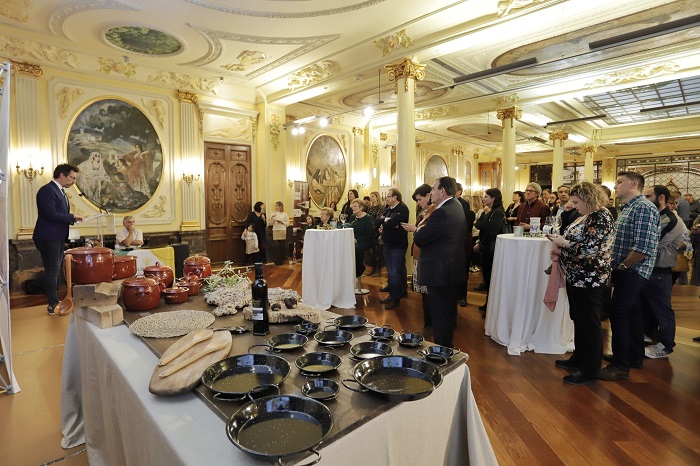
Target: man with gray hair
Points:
x,y
129,236
532,207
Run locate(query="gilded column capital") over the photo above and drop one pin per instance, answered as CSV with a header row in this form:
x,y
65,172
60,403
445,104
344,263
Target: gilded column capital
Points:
x,y
186,96
510,113
26,68
406,69
558,135
358,131
586,148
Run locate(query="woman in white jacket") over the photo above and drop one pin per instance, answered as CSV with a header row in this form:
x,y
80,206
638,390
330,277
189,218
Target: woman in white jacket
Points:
x,y
279,221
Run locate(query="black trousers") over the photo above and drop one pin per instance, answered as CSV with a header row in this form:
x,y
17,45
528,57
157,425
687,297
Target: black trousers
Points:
x,y
52,258
442,302
585,305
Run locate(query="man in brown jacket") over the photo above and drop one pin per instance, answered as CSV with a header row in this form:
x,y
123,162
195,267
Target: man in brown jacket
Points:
x,y
532,207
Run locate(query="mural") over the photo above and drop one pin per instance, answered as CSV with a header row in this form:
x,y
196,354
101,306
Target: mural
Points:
x,y
143,40
325,171
434,169
119,155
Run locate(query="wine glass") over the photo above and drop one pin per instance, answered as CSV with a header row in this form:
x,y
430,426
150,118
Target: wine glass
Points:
x,y
343,218
556,223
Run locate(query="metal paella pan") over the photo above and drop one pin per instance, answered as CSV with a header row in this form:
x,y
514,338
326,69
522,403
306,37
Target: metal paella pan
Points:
x,y
351,322
235,377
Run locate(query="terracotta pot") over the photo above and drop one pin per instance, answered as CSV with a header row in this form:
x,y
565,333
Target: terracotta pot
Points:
x,y
192,283
91,265
175,295
162,272
124,267
198,265
140,293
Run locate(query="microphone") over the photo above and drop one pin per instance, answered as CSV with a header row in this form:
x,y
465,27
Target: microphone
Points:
x,y
99,206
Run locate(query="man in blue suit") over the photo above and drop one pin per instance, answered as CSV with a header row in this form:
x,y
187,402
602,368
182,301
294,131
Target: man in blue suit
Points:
x,y
442,257
51,229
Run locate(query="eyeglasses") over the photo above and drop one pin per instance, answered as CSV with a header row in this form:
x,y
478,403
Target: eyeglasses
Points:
x,y
73,177
563,192
530,191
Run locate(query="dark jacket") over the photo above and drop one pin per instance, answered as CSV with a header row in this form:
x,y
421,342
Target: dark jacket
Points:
x,y
490,226
393,235
470,216
54,216
441,242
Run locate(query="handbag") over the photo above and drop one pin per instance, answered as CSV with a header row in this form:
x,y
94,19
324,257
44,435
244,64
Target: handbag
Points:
x,y
681,264
279,235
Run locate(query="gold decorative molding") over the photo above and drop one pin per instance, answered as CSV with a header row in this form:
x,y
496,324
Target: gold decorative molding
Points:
x,y
393,41
637,73
109,66
246,59
186,96
558,135
180,81
275,130
358,131
189,225
383,136
505,99
510,113
586,148
26,68
406,69
312,74
434,112
375,150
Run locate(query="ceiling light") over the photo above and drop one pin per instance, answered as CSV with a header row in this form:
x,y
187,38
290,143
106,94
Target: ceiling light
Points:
x,y
646,33
574,120
368,111
295,131
301,130
323,122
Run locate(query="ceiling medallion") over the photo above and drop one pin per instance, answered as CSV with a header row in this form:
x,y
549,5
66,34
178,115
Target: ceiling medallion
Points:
x,y
143,40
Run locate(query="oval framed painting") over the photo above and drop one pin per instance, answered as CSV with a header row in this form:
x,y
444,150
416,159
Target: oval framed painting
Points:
x,y
325,171
119,155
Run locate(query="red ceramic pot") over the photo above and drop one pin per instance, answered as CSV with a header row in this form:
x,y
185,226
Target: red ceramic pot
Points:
x,y
140,294
197,265
124,267
192,283
175,295
91,265
163,273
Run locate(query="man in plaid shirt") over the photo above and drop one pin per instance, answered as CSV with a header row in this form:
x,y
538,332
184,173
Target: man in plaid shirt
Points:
x,y
633,257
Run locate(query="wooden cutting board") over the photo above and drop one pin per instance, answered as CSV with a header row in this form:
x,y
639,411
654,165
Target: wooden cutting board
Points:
x,y
188,377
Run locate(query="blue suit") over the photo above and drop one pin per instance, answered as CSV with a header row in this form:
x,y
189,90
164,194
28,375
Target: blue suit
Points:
x,y
50,235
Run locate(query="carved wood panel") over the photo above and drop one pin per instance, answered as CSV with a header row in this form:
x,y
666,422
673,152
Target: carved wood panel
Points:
x,y
228,200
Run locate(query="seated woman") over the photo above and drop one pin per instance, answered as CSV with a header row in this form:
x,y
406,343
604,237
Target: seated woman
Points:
x,y
326,216
363,228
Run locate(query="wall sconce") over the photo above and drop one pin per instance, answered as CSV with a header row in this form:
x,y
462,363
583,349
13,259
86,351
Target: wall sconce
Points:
x,y
359,186
190,178
457,151
290,183
30,173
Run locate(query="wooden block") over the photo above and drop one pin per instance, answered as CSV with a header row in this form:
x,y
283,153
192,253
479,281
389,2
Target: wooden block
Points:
x,y
96,294
102,316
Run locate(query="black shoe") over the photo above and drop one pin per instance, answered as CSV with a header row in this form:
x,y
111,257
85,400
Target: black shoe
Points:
x,y
696,338
482,308
480,287
384,289
385,300
567,364
577,378
607,357
50,310
611,372
391,305
462,302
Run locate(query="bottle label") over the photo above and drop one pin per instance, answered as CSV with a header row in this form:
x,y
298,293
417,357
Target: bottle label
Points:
x,y
257,313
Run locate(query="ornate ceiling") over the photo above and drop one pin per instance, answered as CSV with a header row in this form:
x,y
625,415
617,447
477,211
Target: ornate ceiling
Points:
x,y
326,57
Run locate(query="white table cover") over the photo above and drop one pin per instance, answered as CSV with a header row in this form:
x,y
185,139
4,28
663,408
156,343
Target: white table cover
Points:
x,y
516,316
127,425
328,268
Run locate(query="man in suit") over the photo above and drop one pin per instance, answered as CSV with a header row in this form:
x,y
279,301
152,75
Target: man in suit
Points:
x,y
51,229
469,215
395,241
442,257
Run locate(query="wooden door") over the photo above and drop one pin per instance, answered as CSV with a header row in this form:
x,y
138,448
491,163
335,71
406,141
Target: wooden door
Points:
x,y
228,200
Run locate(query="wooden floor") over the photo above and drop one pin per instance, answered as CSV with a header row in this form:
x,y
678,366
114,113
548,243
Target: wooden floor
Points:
x,y
532,418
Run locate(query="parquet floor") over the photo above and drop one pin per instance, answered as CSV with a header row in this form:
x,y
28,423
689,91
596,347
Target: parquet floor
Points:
x,y
532,418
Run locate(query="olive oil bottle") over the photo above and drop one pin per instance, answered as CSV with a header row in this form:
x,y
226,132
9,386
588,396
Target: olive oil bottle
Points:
x,y
261,324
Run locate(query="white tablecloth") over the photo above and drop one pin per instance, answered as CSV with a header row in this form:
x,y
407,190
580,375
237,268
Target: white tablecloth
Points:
x,y
328,268
516,316
127,425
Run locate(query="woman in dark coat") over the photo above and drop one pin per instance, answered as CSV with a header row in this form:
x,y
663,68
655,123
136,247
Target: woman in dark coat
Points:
x,y
259,221
347,210
490,225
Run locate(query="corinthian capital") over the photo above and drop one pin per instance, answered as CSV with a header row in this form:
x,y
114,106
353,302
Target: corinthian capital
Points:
x,y
406,69
558,136
510,113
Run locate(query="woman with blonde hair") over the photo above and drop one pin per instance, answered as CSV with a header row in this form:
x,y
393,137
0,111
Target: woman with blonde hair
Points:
x,y
279,221
584,253
326,216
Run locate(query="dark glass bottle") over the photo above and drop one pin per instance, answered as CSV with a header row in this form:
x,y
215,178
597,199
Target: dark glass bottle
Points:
x,y
261,324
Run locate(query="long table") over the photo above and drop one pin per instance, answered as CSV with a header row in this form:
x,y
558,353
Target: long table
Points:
x,y
516,316
125,424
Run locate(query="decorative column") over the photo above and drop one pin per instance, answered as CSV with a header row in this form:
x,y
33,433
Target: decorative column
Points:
x,y
589,151
357,177
190,143
508,117
28,150
406,73
558,157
